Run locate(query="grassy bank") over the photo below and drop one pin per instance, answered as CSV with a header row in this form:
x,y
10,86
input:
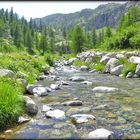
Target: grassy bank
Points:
x,y
24,66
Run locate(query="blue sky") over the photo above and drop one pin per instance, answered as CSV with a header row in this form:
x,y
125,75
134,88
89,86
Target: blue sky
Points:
x,y
40,9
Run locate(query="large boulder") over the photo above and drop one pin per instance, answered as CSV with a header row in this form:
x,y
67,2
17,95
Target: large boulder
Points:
x,y
138,69
112,63
40,91
82,118
101,89
134,59
100,133
56,114
76,79
31,107
117,70
7,73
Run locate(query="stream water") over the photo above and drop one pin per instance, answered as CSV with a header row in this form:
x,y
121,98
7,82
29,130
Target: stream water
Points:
x,y
121,113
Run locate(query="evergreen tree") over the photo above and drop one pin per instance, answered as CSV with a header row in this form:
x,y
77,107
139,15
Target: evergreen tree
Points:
x,y
94,37
77,39
108,32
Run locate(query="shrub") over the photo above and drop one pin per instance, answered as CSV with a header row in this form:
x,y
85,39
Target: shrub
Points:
x,y
11,102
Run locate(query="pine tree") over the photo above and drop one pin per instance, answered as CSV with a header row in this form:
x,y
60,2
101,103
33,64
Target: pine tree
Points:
x,y
94,37
77,40
108,32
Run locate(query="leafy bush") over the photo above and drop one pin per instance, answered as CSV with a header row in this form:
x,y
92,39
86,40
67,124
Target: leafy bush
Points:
x,y
11,102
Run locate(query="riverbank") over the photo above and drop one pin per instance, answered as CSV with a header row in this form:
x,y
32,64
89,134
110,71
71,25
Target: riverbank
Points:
x,y
16,71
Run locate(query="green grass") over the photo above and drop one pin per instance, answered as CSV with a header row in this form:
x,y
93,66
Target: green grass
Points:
x,y
99,67
30,65
11,102
128,67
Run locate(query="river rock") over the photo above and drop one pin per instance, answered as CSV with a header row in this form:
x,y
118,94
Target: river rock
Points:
x,y
129,75
40,91
31,107
117,70
22,119
83,68
54,78
29,88
138,69
71,61
100,133
56,114
134,59
77,79
73,103
55,86
87,82
104,59
112,63
7,73
46,108
101,89
64,83
81,118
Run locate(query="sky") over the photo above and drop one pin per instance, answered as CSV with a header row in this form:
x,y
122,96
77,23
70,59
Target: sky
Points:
x,y
37,9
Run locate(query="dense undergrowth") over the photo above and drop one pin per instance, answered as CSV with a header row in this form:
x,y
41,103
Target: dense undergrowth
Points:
x,y
11,102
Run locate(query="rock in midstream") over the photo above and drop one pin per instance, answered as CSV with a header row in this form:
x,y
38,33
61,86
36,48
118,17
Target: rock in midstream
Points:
x,y
101,89
100,133
56,114
40,91
76,79
55,86
72,103
81,118
87,82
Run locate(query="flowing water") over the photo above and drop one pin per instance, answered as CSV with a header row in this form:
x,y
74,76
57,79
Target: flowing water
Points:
x,y
121,113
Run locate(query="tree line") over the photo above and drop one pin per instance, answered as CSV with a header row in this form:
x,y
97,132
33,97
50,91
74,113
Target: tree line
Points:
x,y
41,39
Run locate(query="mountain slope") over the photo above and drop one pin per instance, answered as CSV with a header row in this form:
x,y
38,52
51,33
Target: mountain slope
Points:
x,y
104,15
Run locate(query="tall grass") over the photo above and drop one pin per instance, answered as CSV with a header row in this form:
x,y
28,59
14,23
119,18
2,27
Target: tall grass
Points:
x,y
11,102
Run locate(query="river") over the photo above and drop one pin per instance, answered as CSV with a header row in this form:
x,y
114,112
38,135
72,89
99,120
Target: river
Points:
x,y
117,112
